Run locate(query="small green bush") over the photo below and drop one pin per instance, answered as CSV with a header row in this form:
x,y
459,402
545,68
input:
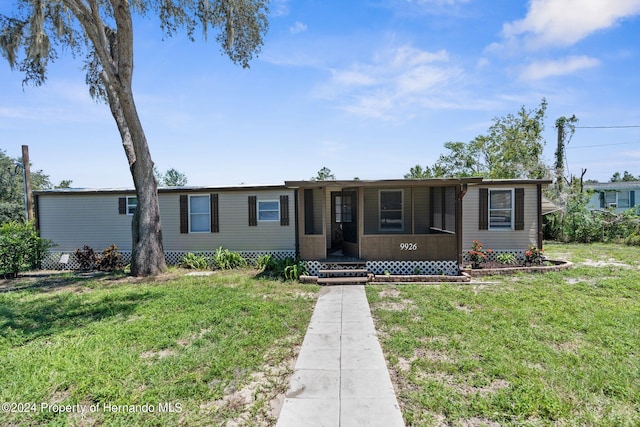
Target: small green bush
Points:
x,y
225,259
285,268
264,262
20,248
507,259
534,256
194,261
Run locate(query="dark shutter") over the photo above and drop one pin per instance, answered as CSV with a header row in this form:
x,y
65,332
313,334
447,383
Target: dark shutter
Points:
x,y
253,211
632,198
284,210
519,209
215,217
184,213
483,209
602,198
122,205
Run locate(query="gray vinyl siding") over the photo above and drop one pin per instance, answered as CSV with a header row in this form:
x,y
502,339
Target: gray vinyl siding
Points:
x,y
74,220
500,239
235,233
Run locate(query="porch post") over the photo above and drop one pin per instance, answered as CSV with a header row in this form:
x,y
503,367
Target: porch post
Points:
x,y
461,190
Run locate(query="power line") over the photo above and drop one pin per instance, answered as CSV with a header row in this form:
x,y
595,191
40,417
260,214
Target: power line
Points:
x,y
600,145
608,127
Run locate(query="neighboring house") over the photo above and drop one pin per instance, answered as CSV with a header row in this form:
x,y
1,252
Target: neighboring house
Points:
x,y
617,196
395,225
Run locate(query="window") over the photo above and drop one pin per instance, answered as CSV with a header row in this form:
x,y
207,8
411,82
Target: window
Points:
x,y
623,199
132,205
500,209
268,210
344,209
617,199
199,214
391,210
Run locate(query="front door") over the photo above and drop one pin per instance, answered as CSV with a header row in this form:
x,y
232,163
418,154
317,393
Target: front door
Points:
x,y
344,227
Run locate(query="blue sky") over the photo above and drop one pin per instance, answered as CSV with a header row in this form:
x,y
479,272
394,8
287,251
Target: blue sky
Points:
x,y
366,88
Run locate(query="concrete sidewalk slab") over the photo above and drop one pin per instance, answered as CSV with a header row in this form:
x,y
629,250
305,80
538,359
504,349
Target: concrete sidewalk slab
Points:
x,y
341,377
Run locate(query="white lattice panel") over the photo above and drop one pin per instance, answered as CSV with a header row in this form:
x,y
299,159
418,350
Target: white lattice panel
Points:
x,y
51,260
518,253
414,267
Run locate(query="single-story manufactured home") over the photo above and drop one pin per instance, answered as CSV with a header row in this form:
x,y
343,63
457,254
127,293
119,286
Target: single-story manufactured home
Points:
x,y
616,196
396,226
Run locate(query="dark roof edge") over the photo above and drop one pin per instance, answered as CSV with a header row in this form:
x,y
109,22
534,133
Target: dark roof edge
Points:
x,y
161,190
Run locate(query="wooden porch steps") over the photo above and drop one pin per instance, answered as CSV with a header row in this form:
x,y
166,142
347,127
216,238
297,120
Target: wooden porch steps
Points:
x,y
342,280
343,273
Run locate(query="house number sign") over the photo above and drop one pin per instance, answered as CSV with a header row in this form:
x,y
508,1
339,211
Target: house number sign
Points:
x,y
408,246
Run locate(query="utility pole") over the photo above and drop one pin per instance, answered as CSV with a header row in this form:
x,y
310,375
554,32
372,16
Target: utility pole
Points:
x,y
26,176
560,156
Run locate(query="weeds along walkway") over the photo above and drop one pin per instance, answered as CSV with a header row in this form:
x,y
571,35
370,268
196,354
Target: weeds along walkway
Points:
x,y
341,377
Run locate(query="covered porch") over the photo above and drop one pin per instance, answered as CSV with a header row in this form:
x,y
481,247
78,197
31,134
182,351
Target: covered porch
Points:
x,y
409,220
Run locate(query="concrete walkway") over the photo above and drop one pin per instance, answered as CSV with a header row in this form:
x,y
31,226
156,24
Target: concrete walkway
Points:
x,y
341,377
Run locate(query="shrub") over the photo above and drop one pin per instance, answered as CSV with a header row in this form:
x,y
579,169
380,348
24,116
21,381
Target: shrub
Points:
x,y
294,269
20,248
285,268
507,258
194,261
478,255
534,256
225,259
265,262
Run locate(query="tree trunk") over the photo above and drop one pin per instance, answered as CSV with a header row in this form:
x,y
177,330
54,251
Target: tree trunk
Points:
x,y
116,55
147,256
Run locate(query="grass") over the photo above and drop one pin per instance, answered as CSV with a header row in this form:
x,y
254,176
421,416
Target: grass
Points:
x,y
555,349
195,350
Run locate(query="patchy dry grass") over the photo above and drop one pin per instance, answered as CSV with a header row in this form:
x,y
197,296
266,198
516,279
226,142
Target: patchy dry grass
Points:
x,y
213,350
554,349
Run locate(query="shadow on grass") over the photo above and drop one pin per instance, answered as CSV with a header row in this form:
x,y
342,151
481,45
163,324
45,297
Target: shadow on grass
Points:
x,y
33,316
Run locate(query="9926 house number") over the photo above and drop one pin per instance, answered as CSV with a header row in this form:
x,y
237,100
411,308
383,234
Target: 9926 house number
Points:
x,y
408,246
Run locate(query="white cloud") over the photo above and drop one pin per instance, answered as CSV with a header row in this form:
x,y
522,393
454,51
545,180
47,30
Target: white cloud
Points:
x,y
279,7
297,28
565,22
542,69
394,84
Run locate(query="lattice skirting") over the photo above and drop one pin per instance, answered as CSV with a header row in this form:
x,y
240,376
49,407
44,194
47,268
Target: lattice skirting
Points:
x,y
398,267
51,260
518,253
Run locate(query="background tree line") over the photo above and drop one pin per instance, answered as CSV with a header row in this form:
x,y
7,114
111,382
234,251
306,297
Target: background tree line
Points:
x,y
512,148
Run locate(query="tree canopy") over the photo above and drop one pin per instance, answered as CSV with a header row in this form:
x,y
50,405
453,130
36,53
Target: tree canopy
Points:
x,y
12,190
101,32
324,174
511,148
626,177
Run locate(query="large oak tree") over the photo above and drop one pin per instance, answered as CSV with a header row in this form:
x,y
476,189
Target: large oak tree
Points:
x,y
102,31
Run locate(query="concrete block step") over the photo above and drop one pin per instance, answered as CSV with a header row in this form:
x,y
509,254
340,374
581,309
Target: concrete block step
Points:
x,y
342,280
335,271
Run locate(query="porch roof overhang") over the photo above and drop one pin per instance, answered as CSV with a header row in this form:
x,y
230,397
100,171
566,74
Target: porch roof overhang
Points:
x,y
430,182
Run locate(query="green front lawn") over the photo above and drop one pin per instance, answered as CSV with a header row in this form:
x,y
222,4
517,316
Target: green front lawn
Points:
x,y
194,350
554,349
